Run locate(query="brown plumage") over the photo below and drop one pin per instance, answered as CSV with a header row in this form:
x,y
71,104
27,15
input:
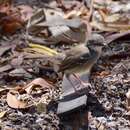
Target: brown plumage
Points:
x,y
81,58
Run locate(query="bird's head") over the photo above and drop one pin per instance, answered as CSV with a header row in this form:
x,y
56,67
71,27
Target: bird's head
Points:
x,y
96,42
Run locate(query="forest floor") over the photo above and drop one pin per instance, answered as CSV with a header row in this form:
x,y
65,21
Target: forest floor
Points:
x,y
29,87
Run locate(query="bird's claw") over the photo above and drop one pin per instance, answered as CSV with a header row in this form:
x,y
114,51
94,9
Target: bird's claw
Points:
x,y
83,85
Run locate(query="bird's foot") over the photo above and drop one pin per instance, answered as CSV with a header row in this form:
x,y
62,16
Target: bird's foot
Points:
x,y
83,85
82,88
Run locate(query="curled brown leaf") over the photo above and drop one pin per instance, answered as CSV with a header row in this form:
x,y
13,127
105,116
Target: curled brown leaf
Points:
x,y
13,100
37,82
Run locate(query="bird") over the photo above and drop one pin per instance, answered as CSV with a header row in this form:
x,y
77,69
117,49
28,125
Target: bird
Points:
x,y
81,58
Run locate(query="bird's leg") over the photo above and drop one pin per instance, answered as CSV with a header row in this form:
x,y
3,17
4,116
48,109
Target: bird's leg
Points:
x,y
81,82
68,77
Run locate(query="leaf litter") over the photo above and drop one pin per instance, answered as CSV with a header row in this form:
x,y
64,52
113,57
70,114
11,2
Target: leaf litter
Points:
x,y
33,105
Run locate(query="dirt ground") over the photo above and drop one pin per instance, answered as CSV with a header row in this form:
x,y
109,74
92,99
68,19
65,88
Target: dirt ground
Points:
x,y
107,105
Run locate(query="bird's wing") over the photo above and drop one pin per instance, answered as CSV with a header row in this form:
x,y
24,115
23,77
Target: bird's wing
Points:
x,y
74,61
71,58
76,51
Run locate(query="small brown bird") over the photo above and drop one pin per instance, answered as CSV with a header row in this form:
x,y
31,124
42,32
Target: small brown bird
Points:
x,y
80,59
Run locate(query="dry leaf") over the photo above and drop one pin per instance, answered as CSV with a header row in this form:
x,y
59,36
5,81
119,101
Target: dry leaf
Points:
x,y
43,49
5,7
10,23
4,89
116,36
2,114
4,49
29,55
99,125
5,68
102,27
37,82
109,18
104,74
13,100
10,19
58,28
128,99
112,18
105,20
26,12
17,61
72,14
38,50
20,72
